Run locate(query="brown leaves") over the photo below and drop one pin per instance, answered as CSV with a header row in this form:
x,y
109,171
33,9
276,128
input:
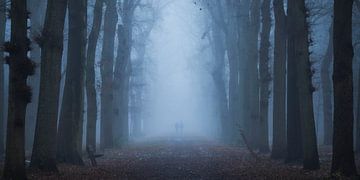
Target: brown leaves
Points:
x,y
187,159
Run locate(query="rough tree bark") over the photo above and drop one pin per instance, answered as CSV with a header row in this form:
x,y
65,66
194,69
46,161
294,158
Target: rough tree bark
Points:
x,y
265,77
327,90
279,122
304,83
71,117
231,45
357,135
90,75
357,123
294,127
19,92
245,48
223,11
51,42
218,76
121,67
252,74
107,64
2,78
343,153
37,10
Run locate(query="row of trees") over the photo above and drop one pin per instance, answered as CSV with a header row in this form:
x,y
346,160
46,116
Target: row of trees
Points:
x,y
237,27
59,129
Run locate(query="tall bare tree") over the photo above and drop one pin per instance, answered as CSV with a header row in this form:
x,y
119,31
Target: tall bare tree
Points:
x,y
327,90
2,77
123,67
297,17
252,74
37,10
218,75
51,42
19,92
279,123
294,127
343,149
90,75
265,77
71,117
107,66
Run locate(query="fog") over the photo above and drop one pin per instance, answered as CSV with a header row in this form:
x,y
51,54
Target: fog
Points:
x,y
180,86
179,89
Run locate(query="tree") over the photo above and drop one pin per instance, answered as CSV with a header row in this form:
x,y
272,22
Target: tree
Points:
x,y
297,16
2,77
137,80
279,123
19,92
327,90
121,82
244,12
223,25
238,20
343,153
265,77
51,42
357,133
294,127
218,75
107,65
37,10
252,74
90,75
71,117
123,68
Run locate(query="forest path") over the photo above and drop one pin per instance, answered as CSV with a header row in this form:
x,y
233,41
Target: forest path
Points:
x,y
178,158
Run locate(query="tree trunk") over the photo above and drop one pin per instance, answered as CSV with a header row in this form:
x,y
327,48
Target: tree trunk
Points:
x,y
343,153
71,117
265,77
121,71
238,14
245,57
252,74
2,78
294,127
218,76
19,92
110,21
297,15
357,112
37,9
279,122
136,87
90,76
44,150
327,91
357,128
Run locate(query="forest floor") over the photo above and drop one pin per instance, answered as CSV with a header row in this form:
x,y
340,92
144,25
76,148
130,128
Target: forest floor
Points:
x,y
176,158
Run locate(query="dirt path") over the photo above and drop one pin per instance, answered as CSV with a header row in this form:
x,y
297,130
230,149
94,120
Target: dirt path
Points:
x,y
183,159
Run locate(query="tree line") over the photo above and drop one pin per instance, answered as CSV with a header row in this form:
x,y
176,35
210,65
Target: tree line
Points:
x,y
278,70
244,76
46,101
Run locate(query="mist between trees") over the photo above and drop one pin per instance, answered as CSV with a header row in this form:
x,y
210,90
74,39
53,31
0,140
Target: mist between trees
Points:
x,y
277,77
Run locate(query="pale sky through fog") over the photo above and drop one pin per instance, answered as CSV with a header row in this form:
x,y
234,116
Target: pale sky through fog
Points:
x,y
181,90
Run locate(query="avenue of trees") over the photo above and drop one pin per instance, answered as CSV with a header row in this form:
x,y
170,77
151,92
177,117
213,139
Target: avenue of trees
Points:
x,y
73,70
